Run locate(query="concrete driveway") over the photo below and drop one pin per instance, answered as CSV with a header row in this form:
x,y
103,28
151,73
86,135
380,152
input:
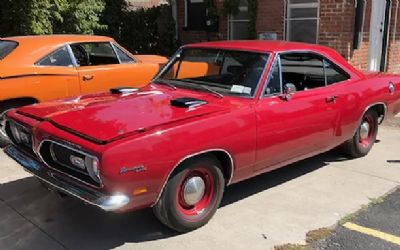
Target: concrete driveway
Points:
x,y
272,209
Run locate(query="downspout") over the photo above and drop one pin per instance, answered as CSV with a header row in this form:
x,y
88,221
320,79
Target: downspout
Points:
x,y
386,32
284,19
174,8
395,21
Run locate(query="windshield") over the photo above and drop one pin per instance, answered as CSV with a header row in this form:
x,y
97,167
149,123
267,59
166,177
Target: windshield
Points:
x,y
227,72
6,47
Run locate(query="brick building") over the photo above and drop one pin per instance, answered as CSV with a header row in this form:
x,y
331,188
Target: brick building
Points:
x,y
365,32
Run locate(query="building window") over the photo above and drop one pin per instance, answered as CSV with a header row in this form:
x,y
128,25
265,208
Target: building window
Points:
x,y
302,20
195,15
238,24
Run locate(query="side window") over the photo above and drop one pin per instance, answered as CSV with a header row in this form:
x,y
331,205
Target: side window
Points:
x,y
334,74
94,54
123,57
304,70
60,57
274,79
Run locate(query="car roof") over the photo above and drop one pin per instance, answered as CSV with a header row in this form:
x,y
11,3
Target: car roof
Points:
x,y
57,39
262,45
32,48
278,46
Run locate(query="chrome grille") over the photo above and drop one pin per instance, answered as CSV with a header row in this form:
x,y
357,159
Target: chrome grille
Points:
x,y
70,161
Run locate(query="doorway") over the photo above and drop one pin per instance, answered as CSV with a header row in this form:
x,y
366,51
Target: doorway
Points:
x,y
379,35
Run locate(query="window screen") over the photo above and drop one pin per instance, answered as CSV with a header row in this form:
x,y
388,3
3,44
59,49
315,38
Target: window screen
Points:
x,y
238,24
302,20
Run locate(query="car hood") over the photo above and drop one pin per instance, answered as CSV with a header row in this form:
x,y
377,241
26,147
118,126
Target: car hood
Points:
x,y
106,117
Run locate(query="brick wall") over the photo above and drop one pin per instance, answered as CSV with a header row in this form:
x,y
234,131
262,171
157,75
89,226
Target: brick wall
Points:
x,y
336,28
270,17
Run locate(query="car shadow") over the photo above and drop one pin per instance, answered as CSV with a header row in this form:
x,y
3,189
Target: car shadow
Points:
x,y
76,225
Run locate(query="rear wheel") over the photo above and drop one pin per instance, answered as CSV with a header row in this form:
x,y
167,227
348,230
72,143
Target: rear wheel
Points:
x,y
365,137
191,196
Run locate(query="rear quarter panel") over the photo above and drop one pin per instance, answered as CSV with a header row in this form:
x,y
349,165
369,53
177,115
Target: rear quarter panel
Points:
x,y
355,97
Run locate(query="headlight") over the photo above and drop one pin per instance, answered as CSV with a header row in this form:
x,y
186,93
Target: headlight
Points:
x,y
92,165
15,132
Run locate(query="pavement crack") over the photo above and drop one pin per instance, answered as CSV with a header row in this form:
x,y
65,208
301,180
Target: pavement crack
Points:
x,y
34,224
367,174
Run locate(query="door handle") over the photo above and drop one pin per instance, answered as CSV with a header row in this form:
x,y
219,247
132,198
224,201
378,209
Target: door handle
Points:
x,y
88,77
331,99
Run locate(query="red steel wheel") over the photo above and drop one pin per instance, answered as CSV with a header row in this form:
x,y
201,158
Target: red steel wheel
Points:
x,y
195,192
364,138
192,194
367,130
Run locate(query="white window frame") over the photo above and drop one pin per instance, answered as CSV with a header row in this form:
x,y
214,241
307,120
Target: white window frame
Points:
x,y
231,20
288,8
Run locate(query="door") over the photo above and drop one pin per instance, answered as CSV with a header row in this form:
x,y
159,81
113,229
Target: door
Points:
x,y
102,66
376,37
301,123
57,76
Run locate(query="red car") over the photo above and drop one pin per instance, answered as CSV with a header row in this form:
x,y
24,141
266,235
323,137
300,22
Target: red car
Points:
x,y
218,113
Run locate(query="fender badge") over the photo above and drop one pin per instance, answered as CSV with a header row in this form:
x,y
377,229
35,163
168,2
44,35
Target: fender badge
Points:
x,y
136,169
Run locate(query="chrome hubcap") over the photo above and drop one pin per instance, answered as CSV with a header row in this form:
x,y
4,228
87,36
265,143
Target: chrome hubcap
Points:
x,y
364,130
193,190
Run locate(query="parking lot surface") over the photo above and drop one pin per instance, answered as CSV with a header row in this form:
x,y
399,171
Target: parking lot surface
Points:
x,y
272,209
377,227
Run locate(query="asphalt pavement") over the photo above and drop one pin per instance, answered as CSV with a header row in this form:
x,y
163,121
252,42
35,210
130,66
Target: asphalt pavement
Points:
x,y
374,228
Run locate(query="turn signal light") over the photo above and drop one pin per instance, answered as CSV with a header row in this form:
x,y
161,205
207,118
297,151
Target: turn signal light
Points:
x,y
139,191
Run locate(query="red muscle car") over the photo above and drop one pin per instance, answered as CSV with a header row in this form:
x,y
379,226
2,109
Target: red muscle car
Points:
x,y
218,113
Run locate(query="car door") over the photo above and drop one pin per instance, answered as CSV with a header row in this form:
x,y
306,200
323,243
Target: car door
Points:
x,y
292,126
56,75
102,66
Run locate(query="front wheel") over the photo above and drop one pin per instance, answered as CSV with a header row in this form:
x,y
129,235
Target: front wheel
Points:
x,y
365,136
191,197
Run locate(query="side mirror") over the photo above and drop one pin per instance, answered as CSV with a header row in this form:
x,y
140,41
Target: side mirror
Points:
x,y
288,90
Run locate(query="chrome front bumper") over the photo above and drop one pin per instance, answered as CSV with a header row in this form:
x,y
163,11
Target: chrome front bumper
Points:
x,y
86,194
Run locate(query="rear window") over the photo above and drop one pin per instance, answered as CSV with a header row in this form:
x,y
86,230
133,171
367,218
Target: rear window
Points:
x,y
6,47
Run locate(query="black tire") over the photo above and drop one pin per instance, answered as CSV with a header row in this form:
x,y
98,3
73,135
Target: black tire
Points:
x,y
3,109
358,147
169,209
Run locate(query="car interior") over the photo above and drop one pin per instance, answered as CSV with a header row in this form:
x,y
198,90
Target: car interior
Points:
x,y
94,54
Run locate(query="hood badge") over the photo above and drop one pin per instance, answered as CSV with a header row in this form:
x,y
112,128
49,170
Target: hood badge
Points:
x,y
135,169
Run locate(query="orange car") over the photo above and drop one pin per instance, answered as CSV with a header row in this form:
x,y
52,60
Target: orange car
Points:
x,y
39,68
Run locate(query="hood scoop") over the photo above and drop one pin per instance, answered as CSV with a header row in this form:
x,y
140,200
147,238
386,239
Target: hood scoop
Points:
x,y
123,90
187,102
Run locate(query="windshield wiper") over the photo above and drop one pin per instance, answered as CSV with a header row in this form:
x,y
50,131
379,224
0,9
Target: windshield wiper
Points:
x,y
216,93
172,86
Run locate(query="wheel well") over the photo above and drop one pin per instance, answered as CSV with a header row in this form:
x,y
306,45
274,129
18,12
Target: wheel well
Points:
x,y
18,101
222,156
380,109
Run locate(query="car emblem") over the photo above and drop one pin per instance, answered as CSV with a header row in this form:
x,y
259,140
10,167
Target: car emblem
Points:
x,y
77,161
136,169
